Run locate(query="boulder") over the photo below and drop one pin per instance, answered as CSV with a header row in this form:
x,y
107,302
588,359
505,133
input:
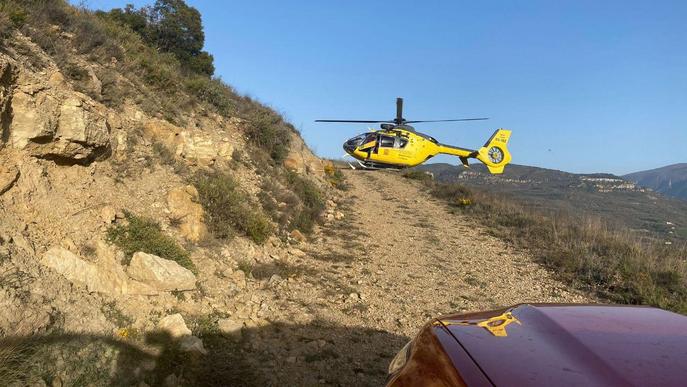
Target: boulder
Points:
x,y
230,328
159,273
108,214
192,344
83,132
109,279
184,207
34,118
297,235
175,325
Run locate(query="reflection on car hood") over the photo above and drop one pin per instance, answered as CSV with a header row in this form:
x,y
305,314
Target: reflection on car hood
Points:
x,y
575,345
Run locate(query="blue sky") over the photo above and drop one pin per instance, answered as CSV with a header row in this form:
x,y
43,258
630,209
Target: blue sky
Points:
x,y
586,86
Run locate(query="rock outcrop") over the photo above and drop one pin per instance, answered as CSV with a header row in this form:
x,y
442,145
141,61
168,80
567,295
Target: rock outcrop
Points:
x,y
184,208
196,147
162,274
54,122
41,114
109,279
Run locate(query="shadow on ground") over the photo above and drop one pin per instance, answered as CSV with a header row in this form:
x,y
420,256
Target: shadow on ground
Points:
x,y
277,354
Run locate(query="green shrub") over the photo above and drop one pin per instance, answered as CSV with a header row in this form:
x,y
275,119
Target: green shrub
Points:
x,y
228,208
141,234
213,91
312,202
266,129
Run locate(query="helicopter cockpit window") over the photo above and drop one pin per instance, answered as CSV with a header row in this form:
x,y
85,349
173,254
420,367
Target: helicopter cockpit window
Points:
x,y
386,142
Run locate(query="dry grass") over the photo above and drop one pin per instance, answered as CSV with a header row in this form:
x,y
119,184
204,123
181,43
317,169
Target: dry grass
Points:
x,y
615,263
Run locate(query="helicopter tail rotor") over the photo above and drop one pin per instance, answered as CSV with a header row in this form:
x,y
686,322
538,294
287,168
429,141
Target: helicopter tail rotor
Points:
x,y
494,154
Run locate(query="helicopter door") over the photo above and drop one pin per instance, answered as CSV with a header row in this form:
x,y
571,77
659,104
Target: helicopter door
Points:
x,y
386,146
383,142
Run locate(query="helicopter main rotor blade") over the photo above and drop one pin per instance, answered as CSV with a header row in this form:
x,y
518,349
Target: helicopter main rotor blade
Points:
x,y
399,111
355,121
460,119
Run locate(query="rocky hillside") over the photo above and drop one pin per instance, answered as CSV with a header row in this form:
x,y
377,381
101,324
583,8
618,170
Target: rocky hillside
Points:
x,y
131,191
670,180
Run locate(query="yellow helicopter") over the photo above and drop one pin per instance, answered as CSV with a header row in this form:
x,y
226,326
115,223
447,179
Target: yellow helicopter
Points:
x,y
397,145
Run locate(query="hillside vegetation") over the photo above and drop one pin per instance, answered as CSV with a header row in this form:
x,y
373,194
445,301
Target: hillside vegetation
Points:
x,y
617,200
586,252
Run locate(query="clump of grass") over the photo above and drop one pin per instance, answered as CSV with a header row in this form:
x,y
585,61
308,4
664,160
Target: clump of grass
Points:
x,y
585,252
114,315
228,208
213,91
142,234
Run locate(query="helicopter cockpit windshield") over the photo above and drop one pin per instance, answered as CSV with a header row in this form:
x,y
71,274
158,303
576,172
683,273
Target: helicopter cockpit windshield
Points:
x,y
359,140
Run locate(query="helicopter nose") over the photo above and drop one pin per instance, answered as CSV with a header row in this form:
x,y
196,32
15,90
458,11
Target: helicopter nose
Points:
x,y
349,148
350,145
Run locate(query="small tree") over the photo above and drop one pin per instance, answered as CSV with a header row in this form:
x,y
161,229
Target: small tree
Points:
x,y
170,26
177,28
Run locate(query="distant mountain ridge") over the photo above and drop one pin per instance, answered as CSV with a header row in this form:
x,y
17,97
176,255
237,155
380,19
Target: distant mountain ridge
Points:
x,y
670,180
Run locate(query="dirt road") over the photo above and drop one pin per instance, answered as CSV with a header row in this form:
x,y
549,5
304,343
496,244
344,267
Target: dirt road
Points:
x,y
371,279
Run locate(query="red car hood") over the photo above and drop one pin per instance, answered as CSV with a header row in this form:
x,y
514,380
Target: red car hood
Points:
x,y
556,345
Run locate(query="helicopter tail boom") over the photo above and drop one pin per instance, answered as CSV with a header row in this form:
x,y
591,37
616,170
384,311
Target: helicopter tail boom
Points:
x,y
494,154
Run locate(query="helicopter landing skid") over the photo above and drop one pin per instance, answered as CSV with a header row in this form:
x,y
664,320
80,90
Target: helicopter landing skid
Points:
x,y
369,165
